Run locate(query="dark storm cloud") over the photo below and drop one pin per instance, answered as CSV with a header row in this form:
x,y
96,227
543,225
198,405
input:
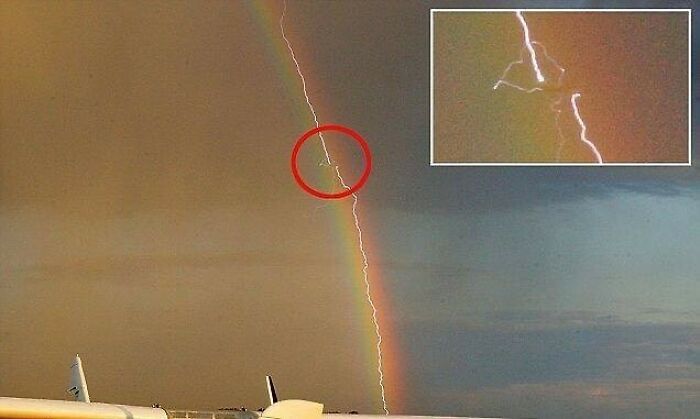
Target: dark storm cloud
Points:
x,y
495,189
587,350
404,180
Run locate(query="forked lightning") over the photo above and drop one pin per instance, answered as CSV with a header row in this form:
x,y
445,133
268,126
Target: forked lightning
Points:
x,y
356,219
541,79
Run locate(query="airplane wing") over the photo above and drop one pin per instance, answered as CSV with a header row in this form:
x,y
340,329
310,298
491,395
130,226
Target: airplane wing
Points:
x,y
15,408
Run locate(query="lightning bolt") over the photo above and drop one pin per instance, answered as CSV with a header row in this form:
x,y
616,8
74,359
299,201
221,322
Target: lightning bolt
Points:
x,y
555,105
504,81
585,140
528,44
356,219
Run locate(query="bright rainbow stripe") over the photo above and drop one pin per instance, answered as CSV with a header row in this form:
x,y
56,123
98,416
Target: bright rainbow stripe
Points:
x,y
266,15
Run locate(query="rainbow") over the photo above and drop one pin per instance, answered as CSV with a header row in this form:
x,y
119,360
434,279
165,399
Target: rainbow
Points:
x,y
267,15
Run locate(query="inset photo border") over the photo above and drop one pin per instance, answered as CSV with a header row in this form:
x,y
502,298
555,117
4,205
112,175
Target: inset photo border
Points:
x,y
560,87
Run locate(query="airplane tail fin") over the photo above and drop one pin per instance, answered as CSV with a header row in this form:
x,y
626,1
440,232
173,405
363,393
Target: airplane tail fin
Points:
x,y
289,409
78,386
271,393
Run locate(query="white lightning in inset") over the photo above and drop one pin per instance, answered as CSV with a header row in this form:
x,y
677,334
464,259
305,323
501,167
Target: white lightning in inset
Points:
x,y
503,81
554,106
365,263
528,44
590,145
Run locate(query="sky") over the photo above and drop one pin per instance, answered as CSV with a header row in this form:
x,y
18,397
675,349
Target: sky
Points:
x,y
630,69
149,221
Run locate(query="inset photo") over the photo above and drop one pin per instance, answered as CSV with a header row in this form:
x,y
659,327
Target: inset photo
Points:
x,y
550,87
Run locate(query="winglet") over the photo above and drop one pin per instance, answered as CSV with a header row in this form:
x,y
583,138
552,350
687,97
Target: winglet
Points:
x,y
271,393
78,386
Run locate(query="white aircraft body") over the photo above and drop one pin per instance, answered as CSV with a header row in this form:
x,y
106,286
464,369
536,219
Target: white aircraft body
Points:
x,y
82,408
12,408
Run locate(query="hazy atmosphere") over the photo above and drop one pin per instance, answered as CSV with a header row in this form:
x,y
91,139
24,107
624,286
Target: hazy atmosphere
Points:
x,y
149,222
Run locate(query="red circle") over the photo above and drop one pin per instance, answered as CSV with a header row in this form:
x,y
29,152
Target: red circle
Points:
x,y
347,131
